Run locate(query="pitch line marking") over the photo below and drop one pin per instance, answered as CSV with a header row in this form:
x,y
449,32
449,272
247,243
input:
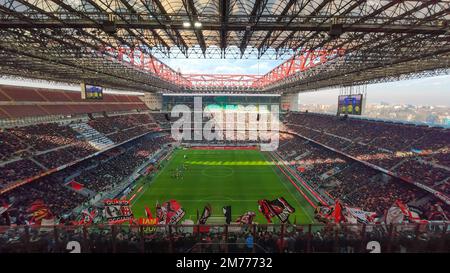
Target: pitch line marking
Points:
x,y
217,200
147,185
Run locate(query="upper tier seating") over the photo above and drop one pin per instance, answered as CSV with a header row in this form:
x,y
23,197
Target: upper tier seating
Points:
x,y
393,146
20,102
26,152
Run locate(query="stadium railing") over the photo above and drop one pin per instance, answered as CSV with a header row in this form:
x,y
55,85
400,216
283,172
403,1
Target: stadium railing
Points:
x,y
256,238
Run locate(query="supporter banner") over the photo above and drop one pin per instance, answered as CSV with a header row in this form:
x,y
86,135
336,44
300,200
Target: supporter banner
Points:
x,y
47,225
205,215
148,222
246,218
438,214
340,213
169,212
400,213
394,216
322,213
278,207
336,215
117,211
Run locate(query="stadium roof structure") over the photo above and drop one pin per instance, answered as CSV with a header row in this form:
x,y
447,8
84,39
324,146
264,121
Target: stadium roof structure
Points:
x,y
326,43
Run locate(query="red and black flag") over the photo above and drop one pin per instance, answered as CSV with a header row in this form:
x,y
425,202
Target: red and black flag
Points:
x,y
170,212
227,214
278,207
205,214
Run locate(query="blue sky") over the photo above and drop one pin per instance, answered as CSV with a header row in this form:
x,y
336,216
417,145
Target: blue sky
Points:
x,y
427,91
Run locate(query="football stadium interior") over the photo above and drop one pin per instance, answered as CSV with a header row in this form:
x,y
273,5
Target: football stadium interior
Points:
x,y
104,144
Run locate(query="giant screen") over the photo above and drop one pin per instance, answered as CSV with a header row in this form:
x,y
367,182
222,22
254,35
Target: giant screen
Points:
x,y
350,104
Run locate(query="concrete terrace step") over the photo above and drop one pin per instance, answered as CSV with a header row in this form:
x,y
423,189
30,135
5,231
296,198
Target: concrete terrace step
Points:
x,y
94,137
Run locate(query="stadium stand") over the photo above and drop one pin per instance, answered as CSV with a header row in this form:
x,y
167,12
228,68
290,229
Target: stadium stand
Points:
x,y
31,150
355,184
414,153
97,174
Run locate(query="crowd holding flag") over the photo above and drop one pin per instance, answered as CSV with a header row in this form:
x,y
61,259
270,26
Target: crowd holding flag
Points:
x,y
246,218
39,211
169,212
438,214
398,213
117,211
402,213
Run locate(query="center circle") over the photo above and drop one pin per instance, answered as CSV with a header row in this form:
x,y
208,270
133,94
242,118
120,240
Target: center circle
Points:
x,y
217,171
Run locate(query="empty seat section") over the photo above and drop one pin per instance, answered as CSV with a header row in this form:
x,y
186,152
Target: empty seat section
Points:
x,y
22,94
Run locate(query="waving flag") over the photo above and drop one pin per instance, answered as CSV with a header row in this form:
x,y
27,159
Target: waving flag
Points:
x,y
38,211
357,215
246,218
278,207
400,212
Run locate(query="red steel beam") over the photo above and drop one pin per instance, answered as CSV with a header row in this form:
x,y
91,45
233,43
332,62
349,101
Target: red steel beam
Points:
x,y
298,63
148,63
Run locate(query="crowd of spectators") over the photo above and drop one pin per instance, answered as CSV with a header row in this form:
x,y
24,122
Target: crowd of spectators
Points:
x,y
109,169
350,181
107,125
27,151
18,170
293,239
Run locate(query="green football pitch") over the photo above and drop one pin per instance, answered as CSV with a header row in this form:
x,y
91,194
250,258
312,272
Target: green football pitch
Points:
x,y
238,178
